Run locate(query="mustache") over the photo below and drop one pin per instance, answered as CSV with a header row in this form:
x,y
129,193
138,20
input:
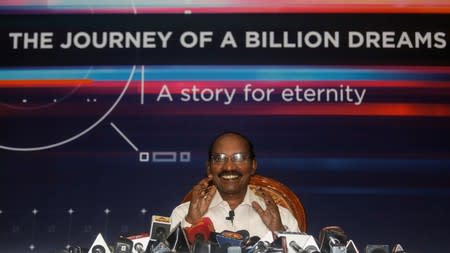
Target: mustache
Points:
x,y
233,172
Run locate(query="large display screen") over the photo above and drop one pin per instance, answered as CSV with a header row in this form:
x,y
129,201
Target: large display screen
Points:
x,y
107,110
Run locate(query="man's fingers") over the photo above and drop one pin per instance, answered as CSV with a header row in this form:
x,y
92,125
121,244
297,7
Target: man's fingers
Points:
x,y
211,191
257,208
204,182
268,200
201,188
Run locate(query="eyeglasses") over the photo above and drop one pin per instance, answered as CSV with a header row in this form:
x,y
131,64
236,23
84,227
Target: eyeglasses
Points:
x,y
220,158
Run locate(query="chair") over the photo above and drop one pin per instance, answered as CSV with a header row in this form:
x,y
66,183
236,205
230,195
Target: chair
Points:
x,y
280,193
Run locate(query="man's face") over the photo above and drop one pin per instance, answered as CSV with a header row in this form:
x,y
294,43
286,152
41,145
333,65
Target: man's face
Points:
x,y
231,165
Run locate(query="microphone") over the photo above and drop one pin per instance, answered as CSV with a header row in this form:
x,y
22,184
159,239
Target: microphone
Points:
x,y
178,241
298,242
160,228
200,231
311,249
140,242
232,239
250,242
332,239
298,249
261,247
199,235
123,245
76,249
230,216
398,249
295,246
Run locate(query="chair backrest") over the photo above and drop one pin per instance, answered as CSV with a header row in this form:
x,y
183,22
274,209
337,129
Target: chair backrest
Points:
x,y
280,193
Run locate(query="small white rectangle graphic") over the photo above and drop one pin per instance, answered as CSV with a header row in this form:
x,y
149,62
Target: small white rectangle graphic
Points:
x,y
185,157
144,157
164,157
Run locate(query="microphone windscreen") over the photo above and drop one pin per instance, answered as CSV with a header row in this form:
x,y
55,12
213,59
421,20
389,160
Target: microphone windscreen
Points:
x,y
203,228
245,234
251,241
229,238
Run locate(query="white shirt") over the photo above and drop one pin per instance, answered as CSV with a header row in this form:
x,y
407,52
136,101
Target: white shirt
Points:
x,y
245,217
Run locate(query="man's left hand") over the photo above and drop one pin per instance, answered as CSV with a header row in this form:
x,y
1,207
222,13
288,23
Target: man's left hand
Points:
x,y
270,216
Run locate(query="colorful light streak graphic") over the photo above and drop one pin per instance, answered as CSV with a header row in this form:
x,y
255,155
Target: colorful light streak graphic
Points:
x,y
230,6
399,84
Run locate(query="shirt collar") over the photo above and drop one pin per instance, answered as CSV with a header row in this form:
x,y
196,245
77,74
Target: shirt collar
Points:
x,y
248,199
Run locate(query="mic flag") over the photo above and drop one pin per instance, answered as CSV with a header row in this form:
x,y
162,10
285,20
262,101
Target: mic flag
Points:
x,y
140,242
398,249
202,229
160,227
99,245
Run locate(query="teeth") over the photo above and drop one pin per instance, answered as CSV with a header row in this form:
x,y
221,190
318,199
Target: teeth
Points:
x,y
229,177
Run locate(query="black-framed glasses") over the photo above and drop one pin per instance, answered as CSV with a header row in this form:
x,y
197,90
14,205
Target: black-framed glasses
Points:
x,y
220,158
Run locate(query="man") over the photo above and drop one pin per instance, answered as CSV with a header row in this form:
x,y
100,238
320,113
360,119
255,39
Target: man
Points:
x,y
230,165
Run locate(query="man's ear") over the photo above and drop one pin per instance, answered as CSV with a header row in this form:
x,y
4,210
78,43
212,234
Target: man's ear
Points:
x,y
208,168
254,165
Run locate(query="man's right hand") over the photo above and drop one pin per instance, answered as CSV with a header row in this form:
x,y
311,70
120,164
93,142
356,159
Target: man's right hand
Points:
x,y
202,195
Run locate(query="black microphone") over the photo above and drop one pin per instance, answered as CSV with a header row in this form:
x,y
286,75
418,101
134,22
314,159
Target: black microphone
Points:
x,y
75,249
250,242
201,244
295,246
177,241
311,249
123,245
230,216
244,233
332,239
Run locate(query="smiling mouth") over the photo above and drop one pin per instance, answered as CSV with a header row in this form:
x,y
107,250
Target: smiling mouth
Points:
x,y
230,176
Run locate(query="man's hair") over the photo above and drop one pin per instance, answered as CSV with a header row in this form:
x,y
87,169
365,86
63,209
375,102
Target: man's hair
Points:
x,y
247,140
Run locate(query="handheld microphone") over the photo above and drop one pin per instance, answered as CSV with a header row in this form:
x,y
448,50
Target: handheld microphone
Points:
x,y
75,249
295,246
123,245
232,239
250,242
199,234
230,216
200,231
298,242
261,247
140,242
178,241
332,239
